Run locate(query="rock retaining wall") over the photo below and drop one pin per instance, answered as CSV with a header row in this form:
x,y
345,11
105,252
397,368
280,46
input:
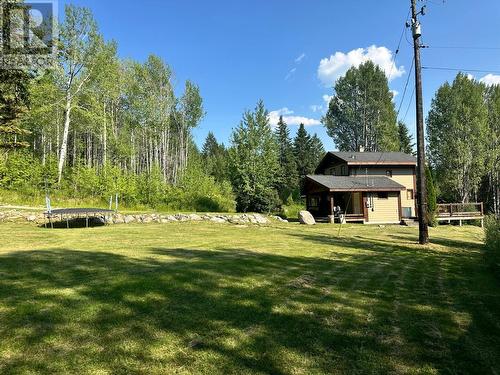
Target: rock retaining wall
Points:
x,y
38,218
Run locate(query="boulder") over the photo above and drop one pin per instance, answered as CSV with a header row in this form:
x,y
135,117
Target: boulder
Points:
x,y
259,219
195,217
306,218
280,219
147,219
217,219
118,219
182,217
128,219
31,218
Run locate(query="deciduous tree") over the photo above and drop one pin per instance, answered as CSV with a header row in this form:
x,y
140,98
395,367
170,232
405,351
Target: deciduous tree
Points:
x,y
254,162
361,113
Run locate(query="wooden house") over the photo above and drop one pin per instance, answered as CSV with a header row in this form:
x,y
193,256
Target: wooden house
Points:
x,y
368,187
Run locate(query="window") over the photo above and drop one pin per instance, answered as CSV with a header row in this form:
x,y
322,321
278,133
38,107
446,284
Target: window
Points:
x,y
383,195
409,194
342,170
314,201
388,173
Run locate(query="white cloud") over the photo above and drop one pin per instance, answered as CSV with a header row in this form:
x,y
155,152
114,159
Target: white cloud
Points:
x,y
290,74
394,94
322,107
290,118
299,59
327,99
335,66
490,79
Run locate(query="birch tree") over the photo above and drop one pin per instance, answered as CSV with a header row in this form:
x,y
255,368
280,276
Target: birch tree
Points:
x,y
78,47
457,133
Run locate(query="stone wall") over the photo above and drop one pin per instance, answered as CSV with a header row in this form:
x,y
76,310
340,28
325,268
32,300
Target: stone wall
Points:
x,y
38,218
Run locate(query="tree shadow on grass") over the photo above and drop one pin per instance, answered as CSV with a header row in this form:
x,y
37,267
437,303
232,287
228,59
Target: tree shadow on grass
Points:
x,y
226,311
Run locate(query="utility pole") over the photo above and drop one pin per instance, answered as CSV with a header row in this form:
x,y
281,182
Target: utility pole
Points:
x,y
423,237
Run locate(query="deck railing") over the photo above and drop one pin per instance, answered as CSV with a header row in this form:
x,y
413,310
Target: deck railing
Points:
x,y
460,210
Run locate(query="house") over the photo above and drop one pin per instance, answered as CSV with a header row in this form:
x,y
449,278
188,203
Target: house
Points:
x,y
369,187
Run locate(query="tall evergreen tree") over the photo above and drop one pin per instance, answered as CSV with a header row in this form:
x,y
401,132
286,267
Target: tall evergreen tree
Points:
x,y
215,158
458,134
405,139
362,112
317,152
254,162
288,178
302,151
308,152
14,99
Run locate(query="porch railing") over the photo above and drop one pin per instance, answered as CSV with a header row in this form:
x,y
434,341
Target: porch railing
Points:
x,y
458,210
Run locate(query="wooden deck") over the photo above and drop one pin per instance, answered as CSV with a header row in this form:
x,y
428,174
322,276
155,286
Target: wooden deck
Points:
x,y
460,212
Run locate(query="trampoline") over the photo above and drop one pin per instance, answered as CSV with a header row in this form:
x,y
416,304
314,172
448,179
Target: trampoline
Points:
x,y
65,214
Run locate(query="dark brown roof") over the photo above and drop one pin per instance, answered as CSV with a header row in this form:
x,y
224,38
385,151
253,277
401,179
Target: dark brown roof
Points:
x,y
350,183
370,158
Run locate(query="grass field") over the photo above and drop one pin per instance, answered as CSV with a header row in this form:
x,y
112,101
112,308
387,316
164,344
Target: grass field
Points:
x,y
281,299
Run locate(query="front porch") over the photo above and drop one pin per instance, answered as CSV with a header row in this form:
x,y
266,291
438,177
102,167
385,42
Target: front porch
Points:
x,y
376,200
351,205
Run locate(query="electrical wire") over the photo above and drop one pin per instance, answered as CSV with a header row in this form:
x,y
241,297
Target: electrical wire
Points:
x,y
406,87
409,104
463,47
459,69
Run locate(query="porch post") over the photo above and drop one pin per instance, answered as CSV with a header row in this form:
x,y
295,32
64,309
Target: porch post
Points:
x,y
332,204
365,209
399,207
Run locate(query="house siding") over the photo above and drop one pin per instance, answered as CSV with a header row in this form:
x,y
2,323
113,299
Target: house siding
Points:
x,y
384,211
402,175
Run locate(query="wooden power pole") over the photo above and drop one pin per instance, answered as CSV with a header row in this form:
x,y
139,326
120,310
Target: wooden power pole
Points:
x,y
423,237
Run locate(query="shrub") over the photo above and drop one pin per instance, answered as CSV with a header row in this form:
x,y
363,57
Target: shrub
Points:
x,y
492,241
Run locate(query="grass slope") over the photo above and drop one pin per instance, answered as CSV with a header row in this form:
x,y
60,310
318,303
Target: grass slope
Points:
x,y
284,299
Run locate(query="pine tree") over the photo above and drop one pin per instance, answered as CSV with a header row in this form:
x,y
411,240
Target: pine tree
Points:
x,y
302,151
317,152
405,139
215,158
14,100
288,178
254,162
362,111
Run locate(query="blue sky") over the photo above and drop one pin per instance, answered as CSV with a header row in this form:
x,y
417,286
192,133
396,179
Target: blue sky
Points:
x,y
289,52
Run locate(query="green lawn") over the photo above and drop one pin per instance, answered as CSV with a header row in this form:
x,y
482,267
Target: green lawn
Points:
x,y
283,299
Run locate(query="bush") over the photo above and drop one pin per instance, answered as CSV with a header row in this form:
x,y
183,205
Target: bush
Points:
x,y
492,241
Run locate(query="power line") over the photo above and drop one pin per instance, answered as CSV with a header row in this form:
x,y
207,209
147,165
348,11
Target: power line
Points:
x,y
464,47
406,86
459,69
409,104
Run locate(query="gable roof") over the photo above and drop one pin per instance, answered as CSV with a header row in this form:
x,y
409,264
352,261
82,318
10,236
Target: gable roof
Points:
x,y
368,158
353,158
351,183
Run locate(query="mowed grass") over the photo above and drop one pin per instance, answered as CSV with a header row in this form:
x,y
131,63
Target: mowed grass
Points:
x,y
194,298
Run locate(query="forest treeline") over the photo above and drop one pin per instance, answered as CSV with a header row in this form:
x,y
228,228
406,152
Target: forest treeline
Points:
x,y
95,125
